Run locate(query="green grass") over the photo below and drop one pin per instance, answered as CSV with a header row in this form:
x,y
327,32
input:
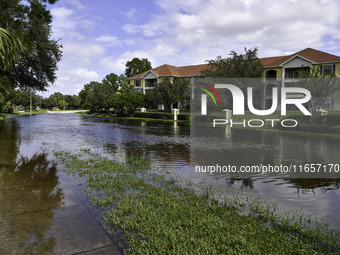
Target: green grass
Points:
x,y
104,115
150,213
26,113
3,115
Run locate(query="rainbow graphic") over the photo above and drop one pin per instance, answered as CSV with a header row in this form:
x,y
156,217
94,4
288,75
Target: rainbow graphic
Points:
x,y
209,93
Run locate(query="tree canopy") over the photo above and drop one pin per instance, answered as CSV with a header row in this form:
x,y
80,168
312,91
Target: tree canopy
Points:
x,y
30,22
170,93
137,66
129,101
94,95
10,47
320,87
124,84
246,65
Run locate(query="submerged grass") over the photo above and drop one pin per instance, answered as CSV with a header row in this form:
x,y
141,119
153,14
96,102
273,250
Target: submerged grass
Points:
x,y
154,215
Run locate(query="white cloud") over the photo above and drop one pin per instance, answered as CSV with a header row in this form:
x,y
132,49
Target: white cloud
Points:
x,y
116,66
80,75
188,32
83,53
77,4
109,40
131,29
62,21
188,27
131,13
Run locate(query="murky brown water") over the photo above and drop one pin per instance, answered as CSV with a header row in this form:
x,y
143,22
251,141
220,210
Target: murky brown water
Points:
x,y
42,212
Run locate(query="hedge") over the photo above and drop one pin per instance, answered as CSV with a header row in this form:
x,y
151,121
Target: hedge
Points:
x,y
160,115
329,120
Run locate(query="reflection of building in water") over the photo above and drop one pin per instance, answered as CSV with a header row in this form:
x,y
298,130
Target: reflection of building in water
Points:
x,y
302,148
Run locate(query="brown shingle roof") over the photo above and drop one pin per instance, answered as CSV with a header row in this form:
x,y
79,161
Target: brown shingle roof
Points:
x,y
181,71
314,55
274,61
195,70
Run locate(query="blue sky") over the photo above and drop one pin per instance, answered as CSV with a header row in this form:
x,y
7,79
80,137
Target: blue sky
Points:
x,y
100,36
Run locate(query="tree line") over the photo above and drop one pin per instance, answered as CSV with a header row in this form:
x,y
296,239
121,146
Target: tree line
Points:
x,y
29,57
28,54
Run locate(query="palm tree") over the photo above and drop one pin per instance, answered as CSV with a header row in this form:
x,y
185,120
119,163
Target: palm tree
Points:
x,y
10,47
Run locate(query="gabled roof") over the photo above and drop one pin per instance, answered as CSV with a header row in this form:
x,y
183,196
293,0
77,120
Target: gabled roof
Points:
x,y
169,70
297,56
309,54
313,55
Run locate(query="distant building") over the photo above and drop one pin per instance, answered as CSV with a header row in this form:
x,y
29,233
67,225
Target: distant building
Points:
x,y
147,80
279,71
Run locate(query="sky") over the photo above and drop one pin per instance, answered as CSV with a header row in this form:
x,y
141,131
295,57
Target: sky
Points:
x,y
100,36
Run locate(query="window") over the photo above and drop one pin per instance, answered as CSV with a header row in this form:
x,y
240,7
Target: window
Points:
x,y
327,69
291,73
271,74
327,105
137,83
150,83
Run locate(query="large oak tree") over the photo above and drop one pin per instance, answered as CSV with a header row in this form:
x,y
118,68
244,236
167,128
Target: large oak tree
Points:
x,y
246,65
137,66
31,22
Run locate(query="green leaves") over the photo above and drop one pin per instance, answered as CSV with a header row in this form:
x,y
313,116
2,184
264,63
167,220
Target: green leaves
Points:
x,y
37,58
137,66
169,92
128,100
111,81
320,87
246,65
10,48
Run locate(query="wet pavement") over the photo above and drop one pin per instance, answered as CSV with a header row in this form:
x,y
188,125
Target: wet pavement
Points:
x,y
36,219
41,211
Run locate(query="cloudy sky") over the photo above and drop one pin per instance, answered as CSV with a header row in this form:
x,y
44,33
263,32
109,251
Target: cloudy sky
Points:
x,y
100,36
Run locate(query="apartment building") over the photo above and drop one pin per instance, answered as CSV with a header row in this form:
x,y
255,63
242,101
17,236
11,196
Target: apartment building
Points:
x,y
278,71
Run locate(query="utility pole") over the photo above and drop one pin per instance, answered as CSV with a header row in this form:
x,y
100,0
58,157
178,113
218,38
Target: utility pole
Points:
x,y
30,101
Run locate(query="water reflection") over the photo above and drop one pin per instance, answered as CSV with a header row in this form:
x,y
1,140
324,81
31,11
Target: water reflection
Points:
x,y
29,192
254,148
169,144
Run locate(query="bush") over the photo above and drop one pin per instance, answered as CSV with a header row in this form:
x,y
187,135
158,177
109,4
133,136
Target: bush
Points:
x,y
329,120
7,109
160,115
154,115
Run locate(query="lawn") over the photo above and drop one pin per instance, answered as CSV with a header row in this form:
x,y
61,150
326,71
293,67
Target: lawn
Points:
x,y
148,211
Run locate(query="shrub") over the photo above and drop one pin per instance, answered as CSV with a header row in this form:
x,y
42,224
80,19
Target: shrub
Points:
x,y
160,115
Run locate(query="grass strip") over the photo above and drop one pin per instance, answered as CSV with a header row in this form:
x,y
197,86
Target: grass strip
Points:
x,y
149,119
154,215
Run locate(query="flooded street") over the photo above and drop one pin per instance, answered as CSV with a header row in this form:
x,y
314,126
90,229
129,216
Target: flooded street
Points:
x,y
42,210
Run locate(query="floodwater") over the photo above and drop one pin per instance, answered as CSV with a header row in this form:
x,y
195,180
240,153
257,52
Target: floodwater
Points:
x,y
42,211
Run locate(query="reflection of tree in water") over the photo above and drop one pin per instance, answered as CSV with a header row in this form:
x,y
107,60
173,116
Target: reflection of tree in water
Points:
x,y
32,191
8,141
298,183
167,152
302,184
246,182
